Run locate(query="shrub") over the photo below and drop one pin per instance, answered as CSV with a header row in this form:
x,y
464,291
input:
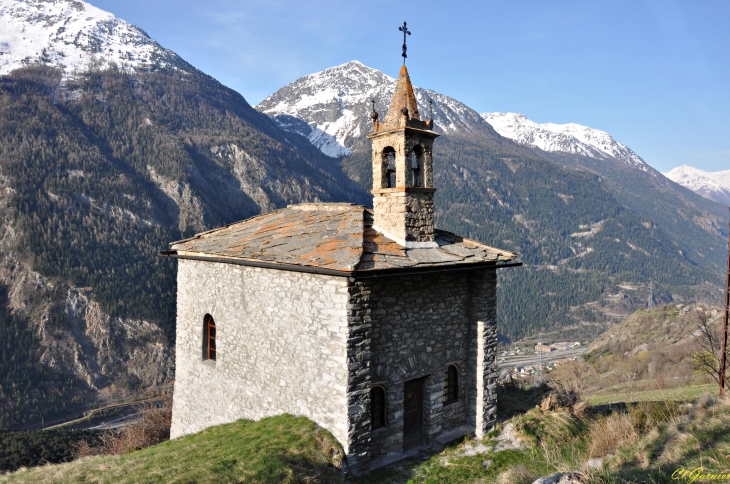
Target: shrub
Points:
x,y
29,448
152,428
560,398
541,426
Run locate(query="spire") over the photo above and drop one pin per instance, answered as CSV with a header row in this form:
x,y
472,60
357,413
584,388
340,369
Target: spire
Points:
x,y
402,148
403,97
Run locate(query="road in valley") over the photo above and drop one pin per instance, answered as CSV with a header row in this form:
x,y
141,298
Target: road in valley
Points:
x,y
530,359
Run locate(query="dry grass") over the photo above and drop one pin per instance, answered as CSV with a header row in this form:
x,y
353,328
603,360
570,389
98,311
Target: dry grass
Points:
x,y
152,428
606,435
560,398
516,475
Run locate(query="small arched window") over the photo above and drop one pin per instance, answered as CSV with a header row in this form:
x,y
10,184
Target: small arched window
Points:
x,y
415,175
208,338
451,385
377,408
390,167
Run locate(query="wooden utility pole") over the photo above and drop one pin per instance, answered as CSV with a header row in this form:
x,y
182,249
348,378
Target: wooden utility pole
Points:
x,y
723,354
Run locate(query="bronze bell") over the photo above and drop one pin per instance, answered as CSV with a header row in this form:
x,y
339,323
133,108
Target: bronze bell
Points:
x,y
374,115
404,111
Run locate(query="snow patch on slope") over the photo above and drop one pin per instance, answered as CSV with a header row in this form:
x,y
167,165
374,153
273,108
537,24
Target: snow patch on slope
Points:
x,y
711,185
567,138
332,107
74,36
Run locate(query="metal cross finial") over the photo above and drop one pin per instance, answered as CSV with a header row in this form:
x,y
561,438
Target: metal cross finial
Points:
x,y
405,31
430,107
374,113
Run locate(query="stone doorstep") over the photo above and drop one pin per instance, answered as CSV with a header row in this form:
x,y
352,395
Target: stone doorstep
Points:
x,y
447,437
438,444
393,457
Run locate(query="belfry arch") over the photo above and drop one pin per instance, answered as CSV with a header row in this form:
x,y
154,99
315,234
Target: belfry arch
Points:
x,y
388,168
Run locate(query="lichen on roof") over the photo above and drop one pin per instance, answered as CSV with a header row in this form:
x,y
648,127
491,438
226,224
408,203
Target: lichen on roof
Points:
x,y
334,236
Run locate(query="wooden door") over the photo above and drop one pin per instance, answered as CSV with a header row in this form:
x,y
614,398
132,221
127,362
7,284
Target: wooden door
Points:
x,y
413,414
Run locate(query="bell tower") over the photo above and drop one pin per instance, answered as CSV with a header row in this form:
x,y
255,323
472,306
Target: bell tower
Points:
x,y
403,170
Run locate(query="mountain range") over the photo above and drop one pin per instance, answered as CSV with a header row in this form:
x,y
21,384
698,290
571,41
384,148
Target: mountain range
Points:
x,y
580,140
483,162
112,146
568,138
711,185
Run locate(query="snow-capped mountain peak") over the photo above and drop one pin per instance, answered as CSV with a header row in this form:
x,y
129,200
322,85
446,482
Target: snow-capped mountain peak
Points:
x,y
74,35
566,138
332,107
711,185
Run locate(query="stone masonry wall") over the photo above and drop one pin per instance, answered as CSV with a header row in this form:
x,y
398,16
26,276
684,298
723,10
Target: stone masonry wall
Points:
x,y
281,347
419,216
407,215
413,327
483,373
359,354
404,212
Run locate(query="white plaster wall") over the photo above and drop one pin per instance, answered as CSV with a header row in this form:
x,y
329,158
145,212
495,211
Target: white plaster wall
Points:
x,y
281,347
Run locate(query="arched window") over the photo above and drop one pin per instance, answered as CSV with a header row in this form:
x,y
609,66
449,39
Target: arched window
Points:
x,y
415,173
377,408
451,385
389,154
208,338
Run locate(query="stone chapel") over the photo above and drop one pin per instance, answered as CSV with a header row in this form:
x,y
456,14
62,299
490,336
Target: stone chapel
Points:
x,y
371,322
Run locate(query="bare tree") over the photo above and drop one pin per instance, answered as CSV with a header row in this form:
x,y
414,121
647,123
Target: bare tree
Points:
x,y
626,374
574,375
709,341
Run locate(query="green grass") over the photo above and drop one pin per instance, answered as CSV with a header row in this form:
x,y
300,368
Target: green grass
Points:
x,y
288,449
453,468
685,394
282,449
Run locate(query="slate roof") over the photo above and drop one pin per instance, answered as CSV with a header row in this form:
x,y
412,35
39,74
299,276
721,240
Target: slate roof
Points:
x,y
333,236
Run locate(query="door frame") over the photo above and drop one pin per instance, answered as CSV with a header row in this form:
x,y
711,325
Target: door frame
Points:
x,y
416,439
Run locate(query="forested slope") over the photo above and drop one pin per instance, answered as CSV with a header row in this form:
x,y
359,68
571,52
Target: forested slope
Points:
x,y
581,246
98,175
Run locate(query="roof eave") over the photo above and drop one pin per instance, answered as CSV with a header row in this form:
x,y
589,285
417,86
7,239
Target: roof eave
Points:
x,y
356,274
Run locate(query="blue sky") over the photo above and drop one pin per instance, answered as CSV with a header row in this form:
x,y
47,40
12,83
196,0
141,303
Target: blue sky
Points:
x,y
655,74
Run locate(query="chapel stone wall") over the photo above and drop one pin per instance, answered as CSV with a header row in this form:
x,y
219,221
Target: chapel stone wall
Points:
x,y
415,327
281,347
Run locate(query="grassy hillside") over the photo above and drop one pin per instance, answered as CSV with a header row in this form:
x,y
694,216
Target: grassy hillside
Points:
x,y
644,443
281,449
651,355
